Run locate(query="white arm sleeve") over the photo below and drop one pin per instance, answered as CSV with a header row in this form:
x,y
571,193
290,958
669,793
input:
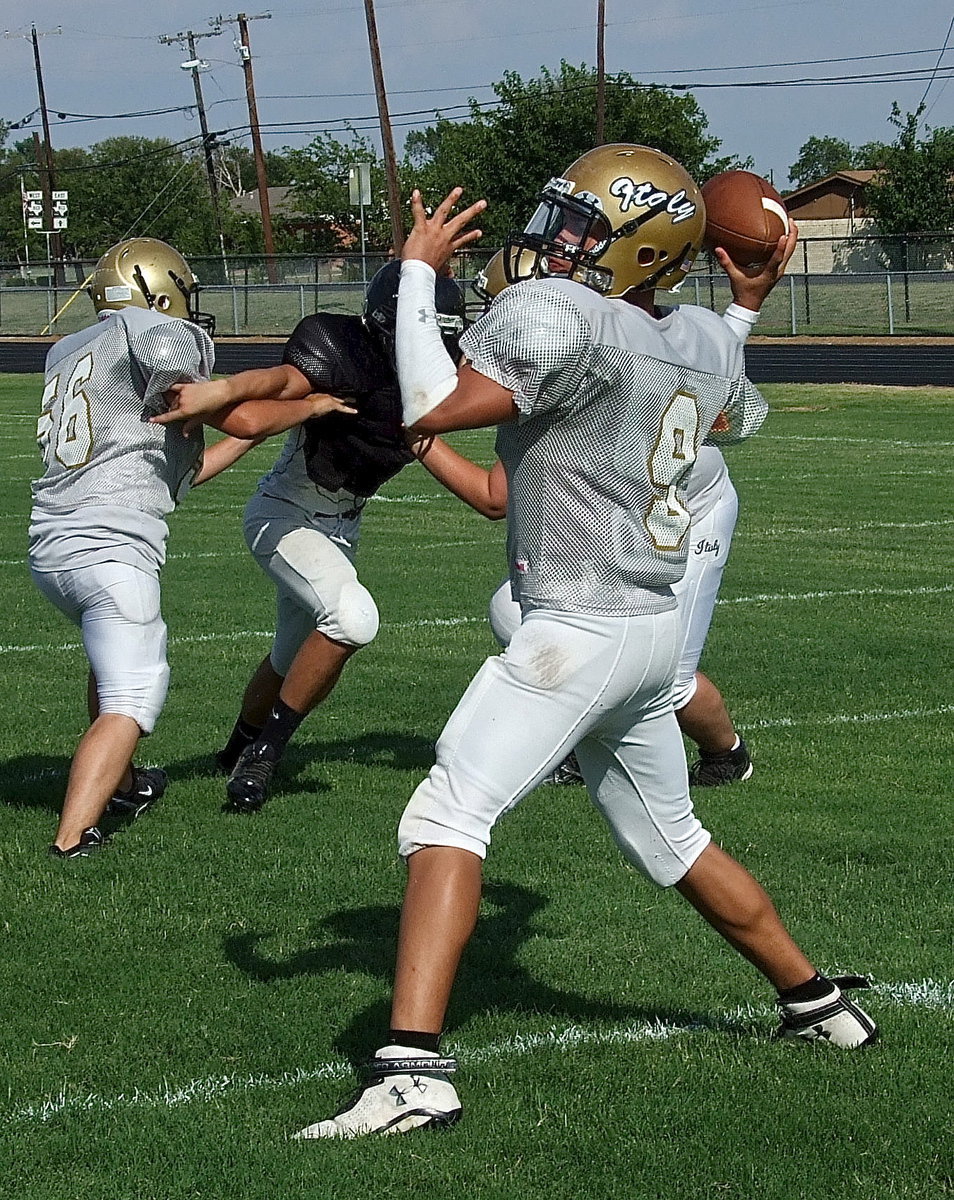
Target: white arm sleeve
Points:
x,y
740,320
426,372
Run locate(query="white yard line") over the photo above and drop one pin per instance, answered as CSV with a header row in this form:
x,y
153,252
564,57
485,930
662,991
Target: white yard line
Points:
x,y
901,714
929,994
836,439
764,597
447,622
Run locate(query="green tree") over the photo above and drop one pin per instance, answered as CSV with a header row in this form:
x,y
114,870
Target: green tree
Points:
x,y
915,192
319,187
123,186
818,158
823,156
540,126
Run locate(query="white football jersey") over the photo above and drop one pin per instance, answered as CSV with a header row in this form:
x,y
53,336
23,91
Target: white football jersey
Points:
x,y
111,476
614,405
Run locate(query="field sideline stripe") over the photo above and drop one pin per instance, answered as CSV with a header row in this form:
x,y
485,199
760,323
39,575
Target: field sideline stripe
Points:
x,y
852,441
449,622
902,714
926,993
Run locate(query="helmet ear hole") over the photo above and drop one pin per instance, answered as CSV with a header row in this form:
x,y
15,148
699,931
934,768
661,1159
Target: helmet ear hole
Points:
x,y
163,302
646,256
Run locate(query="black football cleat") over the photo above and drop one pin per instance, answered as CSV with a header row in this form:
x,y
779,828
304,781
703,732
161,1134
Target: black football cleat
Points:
x,y
248,785
148,785
566,772
91,842
715,770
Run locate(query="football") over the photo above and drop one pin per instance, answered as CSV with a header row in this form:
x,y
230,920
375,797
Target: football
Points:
x,y
745,215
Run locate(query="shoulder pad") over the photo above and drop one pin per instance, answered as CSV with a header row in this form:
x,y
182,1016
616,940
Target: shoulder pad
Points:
x,y
336,354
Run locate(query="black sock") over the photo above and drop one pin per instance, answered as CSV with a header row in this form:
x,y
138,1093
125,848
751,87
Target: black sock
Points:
x,y
241,736
282,722
415,1040
813,989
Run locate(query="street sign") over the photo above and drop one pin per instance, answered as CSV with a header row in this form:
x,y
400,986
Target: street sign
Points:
x,y
33,210
359,184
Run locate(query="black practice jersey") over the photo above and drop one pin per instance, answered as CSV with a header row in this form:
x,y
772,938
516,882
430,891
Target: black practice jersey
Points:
x,y
338,355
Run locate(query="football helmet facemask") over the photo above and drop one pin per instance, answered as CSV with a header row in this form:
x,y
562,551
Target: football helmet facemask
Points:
x,y
147,273
621,218
380,308
491,279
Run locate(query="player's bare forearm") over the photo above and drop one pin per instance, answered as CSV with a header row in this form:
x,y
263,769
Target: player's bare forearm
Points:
x,y
752,285
476,402
222,454
191,401
264,418
484,490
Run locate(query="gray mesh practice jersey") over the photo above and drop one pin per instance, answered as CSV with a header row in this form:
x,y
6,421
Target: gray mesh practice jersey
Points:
x,y
614,405
112,477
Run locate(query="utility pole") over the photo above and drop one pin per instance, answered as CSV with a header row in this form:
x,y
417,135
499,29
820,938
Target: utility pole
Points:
x,y
244,49
44,158
195,64
600,72
387,140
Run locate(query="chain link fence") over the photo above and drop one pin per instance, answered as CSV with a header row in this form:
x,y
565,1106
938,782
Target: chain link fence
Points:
x,y
836,287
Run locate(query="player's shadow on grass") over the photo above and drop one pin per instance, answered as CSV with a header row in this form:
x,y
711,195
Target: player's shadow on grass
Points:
x,y
34,781
403,752
362,940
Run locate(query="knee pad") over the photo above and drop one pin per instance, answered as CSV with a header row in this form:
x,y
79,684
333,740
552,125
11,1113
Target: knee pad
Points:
x,y
355,621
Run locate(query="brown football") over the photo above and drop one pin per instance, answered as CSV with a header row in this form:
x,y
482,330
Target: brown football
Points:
x,y
745,215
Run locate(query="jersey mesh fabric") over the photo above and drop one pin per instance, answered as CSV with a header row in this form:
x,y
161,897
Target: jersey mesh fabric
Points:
x,y
358,454
592,379
121,367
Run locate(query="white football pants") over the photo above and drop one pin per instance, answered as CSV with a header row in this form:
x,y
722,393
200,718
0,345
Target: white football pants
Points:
x,y
600,684
710,537
116,607
309,559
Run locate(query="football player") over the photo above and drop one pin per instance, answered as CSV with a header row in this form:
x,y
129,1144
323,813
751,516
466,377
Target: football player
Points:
x,y
601,401
302,524
98,525
713,505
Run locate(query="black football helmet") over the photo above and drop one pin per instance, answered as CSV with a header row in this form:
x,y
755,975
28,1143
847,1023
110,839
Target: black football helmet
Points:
x,y
380,308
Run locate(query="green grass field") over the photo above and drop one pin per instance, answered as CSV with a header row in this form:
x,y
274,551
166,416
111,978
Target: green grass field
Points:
x,y
177,1007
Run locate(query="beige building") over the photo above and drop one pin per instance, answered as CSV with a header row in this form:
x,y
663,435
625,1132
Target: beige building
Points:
x,y
829,209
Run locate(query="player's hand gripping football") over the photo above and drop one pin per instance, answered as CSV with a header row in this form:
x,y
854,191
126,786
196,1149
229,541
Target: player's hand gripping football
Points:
x,y
752,285
436,238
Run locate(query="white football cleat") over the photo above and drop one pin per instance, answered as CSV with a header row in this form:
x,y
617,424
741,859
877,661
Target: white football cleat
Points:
x,y
833,1018
407,1089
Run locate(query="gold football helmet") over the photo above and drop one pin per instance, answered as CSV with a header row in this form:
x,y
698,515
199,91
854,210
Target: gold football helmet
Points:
x,y
621,217
147,273
491,279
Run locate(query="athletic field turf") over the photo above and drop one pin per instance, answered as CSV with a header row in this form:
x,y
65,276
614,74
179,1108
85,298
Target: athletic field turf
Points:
x,y
176,1008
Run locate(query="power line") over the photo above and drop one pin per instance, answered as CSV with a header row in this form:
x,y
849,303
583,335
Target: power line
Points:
x,y
936,65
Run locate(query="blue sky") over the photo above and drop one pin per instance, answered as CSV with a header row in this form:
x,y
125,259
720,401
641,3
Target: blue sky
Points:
x,y
312,63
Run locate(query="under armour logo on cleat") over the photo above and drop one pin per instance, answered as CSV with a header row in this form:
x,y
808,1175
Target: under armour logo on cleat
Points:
x,y
400,1093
